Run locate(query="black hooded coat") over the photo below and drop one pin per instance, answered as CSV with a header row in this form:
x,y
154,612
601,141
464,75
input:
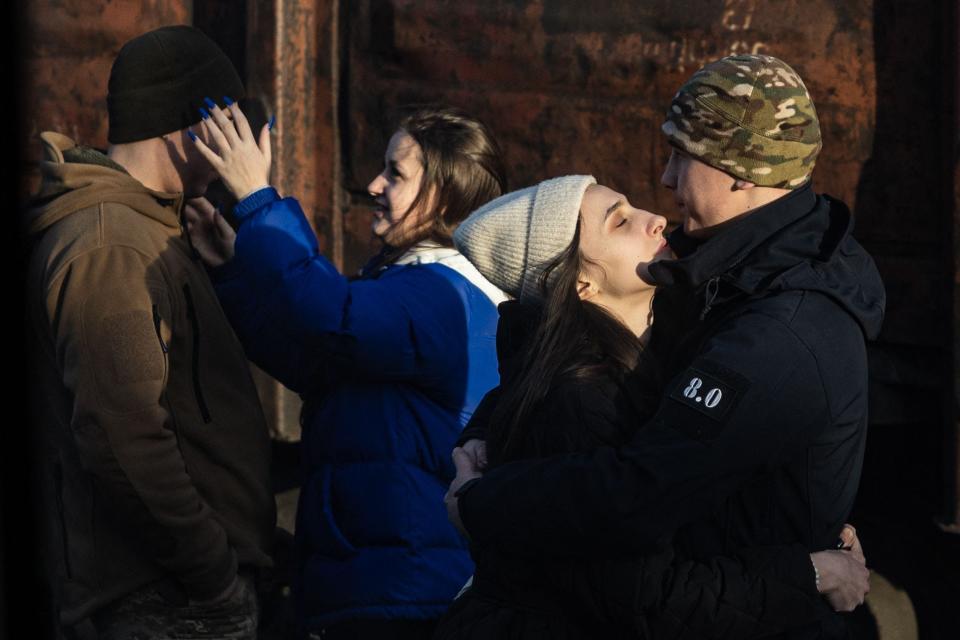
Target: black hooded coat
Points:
x,y
755,593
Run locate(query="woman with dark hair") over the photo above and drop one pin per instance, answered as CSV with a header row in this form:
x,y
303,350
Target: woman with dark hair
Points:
x,y
390,365
575,376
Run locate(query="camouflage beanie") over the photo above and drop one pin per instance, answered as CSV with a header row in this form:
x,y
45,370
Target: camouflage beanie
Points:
x,y
749,116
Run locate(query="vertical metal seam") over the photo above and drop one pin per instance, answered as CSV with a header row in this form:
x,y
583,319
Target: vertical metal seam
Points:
x,y
279,77
336,200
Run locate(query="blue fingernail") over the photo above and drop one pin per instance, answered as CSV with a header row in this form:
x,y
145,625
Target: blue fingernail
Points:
x,y
273,121
210,103
203,113
227,100
192,135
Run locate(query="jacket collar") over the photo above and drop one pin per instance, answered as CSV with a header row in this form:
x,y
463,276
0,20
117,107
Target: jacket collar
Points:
x,y
430,252
700,262
801,242
426,252
76,177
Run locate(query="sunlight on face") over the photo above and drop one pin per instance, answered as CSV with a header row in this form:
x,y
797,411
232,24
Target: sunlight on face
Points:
x,y
618,242
395,189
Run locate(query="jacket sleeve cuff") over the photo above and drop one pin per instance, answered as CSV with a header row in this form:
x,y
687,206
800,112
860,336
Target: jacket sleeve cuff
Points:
x,y
797,568
254,201
789,564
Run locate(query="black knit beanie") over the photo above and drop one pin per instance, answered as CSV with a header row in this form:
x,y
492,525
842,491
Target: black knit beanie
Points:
x,y
159,80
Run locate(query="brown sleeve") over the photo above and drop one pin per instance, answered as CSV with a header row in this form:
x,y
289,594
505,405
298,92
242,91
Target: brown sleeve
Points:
x,y
100,310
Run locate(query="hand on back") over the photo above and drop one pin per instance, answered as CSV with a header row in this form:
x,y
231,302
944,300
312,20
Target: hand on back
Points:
x,y
844,577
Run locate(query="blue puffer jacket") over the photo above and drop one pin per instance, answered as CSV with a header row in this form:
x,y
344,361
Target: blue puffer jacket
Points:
x,y
390,370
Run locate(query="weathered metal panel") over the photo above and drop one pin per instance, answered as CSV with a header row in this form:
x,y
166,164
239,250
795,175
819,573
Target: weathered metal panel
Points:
x,y
71,45
581,87
578,87
571,86
292,59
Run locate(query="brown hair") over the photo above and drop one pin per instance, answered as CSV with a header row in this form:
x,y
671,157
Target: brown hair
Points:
x,y
463,169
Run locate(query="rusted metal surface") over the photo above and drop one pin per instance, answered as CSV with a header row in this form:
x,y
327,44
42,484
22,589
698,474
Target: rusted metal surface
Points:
x,y
69,48
283,43
71,45
569,87
572,88
292,63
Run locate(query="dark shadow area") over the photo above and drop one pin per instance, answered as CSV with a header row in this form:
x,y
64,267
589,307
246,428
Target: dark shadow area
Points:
x,y
24,603
904,213
286,466
226,24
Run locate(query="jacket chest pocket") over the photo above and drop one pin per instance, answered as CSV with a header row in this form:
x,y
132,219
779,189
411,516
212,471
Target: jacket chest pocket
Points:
x,y
161,313
162,326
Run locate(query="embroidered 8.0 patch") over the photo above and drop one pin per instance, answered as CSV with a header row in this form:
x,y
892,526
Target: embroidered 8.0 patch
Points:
x,y
705,393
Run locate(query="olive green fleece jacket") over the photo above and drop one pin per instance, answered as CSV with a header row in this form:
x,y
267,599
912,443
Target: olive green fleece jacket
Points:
x,y
155,452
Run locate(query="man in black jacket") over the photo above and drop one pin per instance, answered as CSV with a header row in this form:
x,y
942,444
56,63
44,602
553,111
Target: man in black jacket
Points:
x,y
760,325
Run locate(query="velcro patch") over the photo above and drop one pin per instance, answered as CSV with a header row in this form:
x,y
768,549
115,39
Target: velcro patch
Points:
x,y
134,347
711,391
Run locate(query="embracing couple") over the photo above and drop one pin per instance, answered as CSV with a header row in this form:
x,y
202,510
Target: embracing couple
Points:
x,y
678,424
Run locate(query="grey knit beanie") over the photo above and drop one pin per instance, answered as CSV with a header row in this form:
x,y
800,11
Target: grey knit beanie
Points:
x,y
512,239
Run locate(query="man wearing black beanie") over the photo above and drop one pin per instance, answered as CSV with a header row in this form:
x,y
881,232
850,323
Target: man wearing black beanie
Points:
x,y
158,509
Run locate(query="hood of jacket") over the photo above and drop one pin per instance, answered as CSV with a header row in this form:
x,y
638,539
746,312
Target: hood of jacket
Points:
x,y
801,241
74,177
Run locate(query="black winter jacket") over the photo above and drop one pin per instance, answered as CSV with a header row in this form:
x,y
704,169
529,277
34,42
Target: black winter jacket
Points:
x,y
760,433
756,593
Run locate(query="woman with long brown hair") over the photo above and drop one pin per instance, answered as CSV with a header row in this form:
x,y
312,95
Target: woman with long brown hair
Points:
x,y
390,364
575,375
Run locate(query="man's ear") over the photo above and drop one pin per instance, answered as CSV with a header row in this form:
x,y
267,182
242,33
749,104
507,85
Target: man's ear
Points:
x,y
586,289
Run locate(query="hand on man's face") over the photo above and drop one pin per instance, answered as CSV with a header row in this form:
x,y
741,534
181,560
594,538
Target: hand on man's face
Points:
x,y
210,234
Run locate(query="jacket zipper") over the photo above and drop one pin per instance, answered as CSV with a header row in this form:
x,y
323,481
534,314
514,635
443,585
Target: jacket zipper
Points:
x,y
713,287
156,325
197,388
166,350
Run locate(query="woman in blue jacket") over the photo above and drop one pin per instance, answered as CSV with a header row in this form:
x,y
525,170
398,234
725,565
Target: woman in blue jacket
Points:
x,y
390,365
